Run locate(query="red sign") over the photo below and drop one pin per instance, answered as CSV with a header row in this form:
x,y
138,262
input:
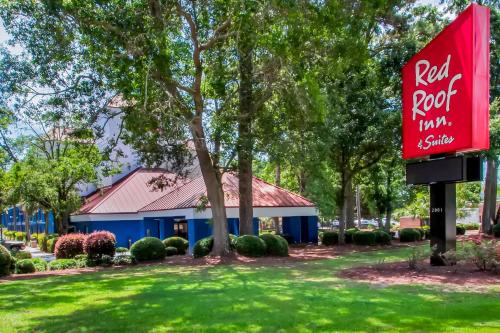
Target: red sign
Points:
x,y
446,89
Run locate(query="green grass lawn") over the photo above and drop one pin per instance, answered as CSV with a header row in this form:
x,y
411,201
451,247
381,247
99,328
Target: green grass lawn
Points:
x,y
304,297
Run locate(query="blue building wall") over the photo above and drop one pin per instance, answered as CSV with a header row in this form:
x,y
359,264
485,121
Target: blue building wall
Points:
x,y
38,216
198,229
303,229
124,230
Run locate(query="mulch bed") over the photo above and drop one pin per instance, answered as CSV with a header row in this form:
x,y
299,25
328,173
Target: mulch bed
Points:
x,y
297,253
399,273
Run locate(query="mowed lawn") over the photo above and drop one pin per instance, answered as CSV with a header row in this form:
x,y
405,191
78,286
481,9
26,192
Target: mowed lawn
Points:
x,y
301,297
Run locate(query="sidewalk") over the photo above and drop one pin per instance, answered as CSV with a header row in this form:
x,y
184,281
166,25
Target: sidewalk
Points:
x,y
36,253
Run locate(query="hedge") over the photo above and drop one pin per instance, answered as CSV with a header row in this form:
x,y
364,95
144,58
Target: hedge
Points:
x,y
348,235
171,251
123,260
121,250
203,247
251,246
148,248
60,264
382,237
51,244
68,246
21,255
421,232
409,235
496,230
40,264
179,243
460,229
5,261
364,238
25,266
330,238
99,243
275,245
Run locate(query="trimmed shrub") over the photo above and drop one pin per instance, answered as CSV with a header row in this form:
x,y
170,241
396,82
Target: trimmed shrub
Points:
x,y
330,238
60,264
25,266
382,237
472,226
460,229
232,241
275,245
427,231
21,255
99,243
203,247
40,264
251,246
421,232
20,236
148,248
496,230
5,261
289,238
171,251
364,238
106,260
51,244
68,246
348,235
409,235
124,260
179,243
121,250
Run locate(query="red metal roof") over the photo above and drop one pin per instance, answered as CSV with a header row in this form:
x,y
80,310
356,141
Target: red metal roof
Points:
x,y
264,195
132,194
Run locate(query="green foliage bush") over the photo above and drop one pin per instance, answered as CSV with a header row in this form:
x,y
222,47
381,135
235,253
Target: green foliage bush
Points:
x,y
364,238
121,250
99,243
330,238
472,226
232,241
105,260
60,264
348,235
288,238
148,248
203,247
40,264
496,230
68,246
9,234
20,236
179,243
51,244
427,231
382,237
171,251
460,229
251,246
123,260
275,245
421,232
409,235
5,261
25,266
21,255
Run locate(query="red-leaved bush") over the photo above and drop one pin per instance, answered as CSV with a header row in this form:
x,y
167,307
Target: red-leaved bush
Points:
x,y
100,243
68,246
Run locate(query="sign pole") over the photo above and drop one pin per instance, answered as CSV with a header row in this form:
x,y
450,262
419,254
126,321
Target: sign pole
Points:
x,y
442,220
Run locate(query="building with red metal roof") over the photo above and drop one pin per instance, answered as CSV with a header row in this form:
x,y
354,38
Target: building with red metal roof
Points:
x,y
132,208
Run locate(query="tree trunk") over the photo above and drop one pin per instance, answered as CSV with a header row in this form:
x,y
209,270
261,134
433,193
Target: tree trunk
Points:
x,y
343,206
277,181
246,109
349,204
27,228
489,204
213,182
388,218
302,182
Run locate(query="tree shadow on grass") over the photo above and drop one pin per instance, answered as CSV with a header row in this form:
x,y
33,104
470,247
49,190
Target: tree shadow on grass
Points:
x,y
241,299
